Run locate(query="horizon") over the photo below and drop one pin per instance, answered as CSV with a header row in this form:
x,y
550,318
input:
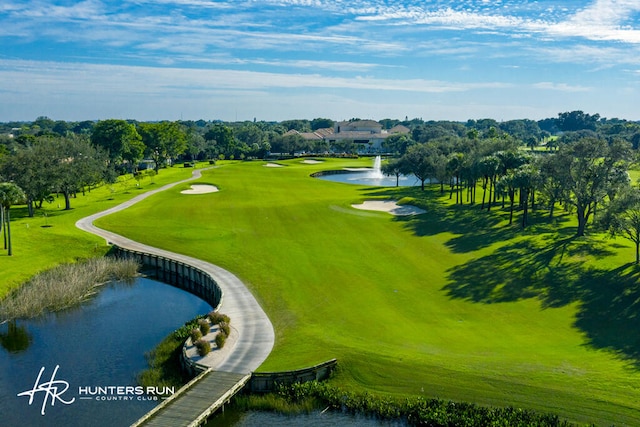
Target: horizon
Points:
x,y
235,61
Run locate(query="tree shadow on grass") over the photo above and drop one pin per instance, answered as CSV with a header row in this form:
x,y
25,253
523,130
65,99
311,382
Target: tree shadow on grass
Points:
x,y
472,227
556,271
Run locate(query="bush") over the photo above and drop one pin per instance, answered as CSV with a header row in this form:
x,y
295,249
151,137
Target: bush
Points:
x,y
195,335
224,327
221,338
204,326
216,318
184,332
203,346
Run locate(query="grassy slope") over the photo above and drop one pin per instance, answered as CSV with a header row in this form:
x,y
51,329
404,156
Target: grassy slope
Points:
x,y
451,304
51,238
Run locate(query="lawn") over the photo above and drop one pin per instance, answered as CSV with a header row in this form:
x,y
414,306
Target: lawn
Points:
x,y
452,304
51,238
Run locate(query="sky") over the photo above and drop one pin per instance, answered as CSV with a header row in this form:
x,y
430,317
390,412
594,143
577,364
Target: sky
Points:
x,y
276,60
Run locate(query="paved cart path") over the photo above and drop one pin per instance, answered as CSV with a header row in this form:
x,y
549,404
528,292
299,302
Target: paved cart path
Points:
x,y
255,331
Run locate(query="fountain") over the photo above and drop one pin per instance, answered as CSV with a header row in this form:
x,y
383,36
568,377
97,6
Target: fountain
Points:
x,y
376,173
370,176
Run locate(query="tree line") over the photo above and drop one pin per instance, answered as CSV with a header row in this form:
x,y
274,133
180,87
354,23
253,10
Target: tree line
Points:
x,y
587,175
576,160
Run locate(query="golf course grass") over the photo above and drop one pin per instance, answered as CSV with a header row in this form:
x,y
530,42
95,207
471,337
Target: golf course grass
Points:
x,y
50,237
453,303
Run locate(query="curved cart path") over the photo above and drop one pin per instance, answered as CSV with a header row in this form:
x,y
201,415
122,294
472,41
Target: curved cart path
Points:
x,y
255,331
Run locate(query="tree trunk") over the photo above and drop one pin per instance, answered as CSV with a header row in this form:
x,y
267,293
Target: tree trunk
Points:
x,y
67,201
582,222
30,206
9,251
4,226
637,250
490,194
525,210
512,196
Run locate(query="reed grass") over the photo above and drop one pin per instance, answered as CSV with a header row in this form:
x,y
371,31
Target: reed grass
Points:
x,y
64,286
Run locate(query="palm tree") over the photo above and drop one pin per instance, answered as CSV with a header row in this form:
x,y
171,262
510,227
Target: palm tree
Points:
x,y
10,194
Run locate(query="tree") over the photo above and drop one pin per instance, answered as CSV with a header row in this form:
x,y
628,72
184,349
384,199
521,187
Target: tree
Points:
x,y
120,140
526,179
321,123
586,172
507,184
577,120
77,164
418,160
393,167
30,167
489,167
397,143
552,189
223,137
623,218
165,141
10,194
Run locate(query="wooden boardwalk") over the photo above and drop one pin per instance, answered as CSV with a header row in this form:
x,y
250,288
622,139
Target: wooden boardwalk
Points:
x,y
195,402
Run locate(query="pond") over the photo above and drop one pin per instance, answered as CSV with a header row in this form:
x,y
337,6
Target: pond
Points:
x,y
234,418
368,177
100,344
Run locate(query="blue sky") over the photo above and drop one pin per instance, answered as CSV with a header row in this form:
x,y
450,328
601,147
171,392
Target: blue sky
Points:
x,y
286,59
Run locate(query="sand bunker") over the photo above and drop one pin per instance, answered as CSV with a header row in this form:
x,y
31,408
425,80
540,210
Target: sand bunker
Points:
x,y
390,206
273,165
201,189
311,162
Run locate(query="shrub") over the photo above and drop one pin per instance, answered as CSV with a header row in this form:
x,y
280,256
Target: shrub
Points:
x,y
224,327
195,335
221,338
216,317
203,346
204,326
184,332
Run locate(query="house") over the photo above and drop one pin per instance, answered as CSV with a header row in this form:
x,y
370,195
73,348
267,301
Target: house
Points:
x,y
368,135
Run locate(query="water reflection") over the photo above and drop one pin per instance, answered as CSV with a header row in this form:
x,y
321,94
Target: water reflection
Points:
x,y
101,343
16,338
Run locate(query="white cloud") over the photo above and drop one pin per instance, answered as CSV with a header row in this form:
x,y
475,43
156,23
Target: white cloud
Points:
x,y
560,87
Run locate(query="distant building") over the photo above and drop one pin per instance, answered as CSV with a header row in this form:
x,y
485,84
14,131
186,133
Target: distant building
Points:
x,y
368,135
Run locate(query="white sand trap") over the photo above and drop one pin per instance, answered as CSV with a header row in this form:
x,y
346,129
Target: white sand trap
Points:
x,y
389,206
311,162
273,165
200,189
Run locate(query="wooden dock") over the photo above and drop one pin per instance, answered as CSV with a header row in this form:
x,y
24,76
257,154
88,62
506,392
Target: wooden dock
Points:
x,y
196,401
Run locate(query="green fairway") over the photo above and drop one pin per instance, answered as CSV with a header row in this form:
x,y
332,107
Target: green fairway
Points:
x,y
452,304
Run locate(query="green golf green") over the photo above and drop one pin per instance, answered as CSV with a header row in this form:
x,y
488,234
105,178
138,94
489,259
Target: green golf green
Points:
x,y
451,303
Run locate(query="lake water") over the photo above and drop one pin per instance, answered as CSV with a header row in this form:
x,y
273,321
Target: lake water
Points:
x,y
367,178
99,344
234,418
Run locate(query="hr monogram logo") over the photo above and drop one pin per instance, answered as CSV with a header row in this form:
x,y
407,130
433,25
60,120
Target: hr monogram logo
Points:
x,y
52,389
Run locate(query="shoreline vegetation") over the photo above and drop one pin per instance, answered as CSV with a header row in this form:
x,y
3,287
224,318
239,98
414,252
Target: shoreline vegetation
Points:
x,y
64,286
313,396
